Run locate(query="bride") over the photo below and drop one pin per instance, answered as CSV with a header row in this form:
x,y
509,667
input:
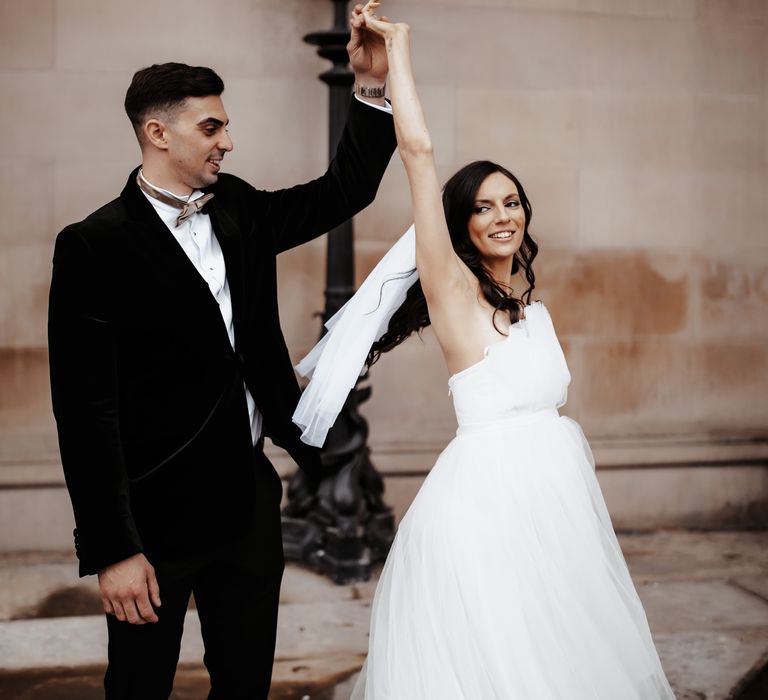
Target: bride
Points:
x,y
505,580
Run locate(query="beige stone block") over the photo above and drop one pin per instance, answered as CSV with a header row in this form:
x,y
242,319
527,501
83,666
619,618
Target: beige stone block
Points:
x,y
26,200
439,104
391,214
556,45
627,131
713,449
733,296
495,47
634,8
617,293
662,209
643,499
62,115
35,519
94,127
632,54
631,208
28,589
404,459
672,9
660,386
25,271
729,54
29,126
732,10
238,38
283,132
25,402
518,127
732,374
27,34
730,211
729,133
83,185
764,125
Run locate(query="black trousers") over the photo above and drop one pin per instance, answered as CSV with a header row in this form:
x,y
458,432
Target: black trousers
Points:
x,y
236,591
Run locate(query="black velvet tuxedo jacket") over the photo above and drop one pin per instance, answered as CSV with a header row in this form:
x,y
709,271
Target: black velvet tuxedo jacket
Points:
x,y
147,390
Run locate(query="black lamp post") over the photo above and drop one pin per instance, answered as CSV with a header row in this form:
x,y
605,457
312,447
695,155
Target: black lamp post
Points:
x,y
341,526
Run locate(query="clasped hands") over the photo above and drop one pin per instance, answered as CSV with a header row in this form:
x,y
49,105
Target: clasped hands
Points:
x,y
367,46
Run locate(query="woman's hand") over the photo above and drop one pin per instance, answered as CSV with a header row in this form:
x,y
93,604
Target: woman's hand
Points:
x,y
381,26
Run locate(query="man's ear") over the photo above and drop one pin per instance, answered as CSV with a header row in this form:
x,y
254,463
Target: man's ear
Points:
x,y
155,134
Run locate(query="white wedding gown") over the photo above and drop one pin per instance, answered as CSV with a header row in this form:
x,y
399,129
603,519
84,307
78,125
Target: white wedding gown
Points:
x,y
505,580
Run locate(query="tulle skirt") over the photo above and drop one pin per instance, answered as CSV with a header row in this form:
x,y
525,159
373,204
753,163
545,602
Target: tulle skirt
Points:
x,y
506,582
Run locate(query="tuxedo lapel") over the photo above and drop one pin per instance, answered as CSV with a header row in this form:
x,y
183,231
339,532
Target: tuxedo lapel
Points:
x,y
163,254
231,241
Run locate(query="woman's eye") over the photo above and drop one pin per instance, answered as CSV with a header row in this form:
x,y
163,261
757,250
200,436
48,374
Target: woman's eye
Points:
x,y
480,210
513,203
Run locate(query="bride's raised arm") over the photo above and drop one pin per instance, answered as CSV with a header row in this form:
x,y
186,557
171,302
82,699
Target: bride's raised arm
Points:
x,y
440,269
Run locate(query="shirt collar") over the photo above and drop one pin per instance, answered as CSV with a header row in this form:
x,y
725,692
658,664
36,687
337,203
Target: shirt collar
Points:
x,y
194,195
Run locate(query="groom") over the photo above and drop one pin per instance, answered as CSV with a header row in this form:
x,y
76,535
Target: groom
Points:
x,y
168,368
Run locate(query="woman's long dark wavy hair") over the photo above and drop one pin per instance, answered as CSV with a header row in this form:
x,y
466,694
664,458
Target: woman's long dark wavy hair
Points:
x,y
459,197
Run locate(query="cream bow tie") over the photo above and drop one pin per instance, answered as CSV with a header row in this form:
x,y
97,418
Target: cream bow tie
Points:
x,y
188,209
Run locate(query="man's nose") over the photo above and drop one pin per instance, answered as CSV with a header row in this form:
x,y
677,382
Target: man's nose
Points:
x,y
225,143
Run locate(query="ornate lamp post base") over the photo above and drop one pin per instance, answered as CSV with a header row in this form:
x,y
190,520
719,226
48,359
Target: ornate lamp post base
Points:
x,y
341,525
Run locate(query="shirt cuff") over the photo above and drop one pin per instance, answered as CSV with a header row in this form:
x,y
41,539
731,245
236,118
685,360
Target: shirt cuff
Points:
x,y
387,107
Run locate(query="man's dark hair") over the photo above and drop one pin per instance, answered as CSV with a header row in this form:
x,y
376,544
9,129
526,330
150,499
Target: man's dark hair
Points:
x,y
164,87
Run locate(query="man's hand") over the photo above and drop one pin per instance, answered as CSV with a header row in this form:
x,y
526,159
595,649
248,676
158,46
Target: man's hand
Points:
x,y
127,587
367,53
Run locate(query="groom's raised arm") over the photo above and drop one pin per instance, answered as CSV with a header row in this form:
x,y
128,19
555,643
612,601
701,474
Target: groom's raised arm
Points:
x,y
298,214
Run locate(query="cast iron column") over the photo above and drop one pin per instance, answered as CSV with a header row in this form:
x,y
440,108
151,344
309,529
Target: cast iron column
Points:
x,y
342,525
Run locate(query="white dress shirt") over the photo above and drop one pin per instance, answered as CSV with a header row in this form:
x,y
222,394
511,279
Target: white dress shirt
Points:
x,y
195,236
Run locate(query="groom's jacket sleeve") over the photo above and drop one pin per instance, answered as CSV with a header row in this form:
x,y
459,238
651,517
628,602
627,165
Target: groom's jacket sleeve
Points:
x,y
279,220
84,392
298,214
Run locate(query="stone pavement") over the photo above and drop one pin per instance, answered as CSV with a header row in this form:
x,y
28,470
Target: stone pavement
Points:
x,y
705,593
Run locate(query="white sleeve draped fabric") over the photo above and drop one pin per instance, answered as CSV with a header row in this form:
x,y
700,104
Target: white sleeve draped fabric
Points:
x,y
336,362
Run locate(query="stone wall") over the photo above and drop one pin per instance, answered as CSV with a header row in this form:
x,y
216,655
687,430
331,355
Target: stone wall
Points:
x,y
637,126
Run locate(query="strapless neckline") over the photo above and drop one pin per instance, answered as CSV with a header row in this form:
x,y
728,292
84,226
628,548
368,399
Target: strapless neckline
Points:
x,y
512,331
